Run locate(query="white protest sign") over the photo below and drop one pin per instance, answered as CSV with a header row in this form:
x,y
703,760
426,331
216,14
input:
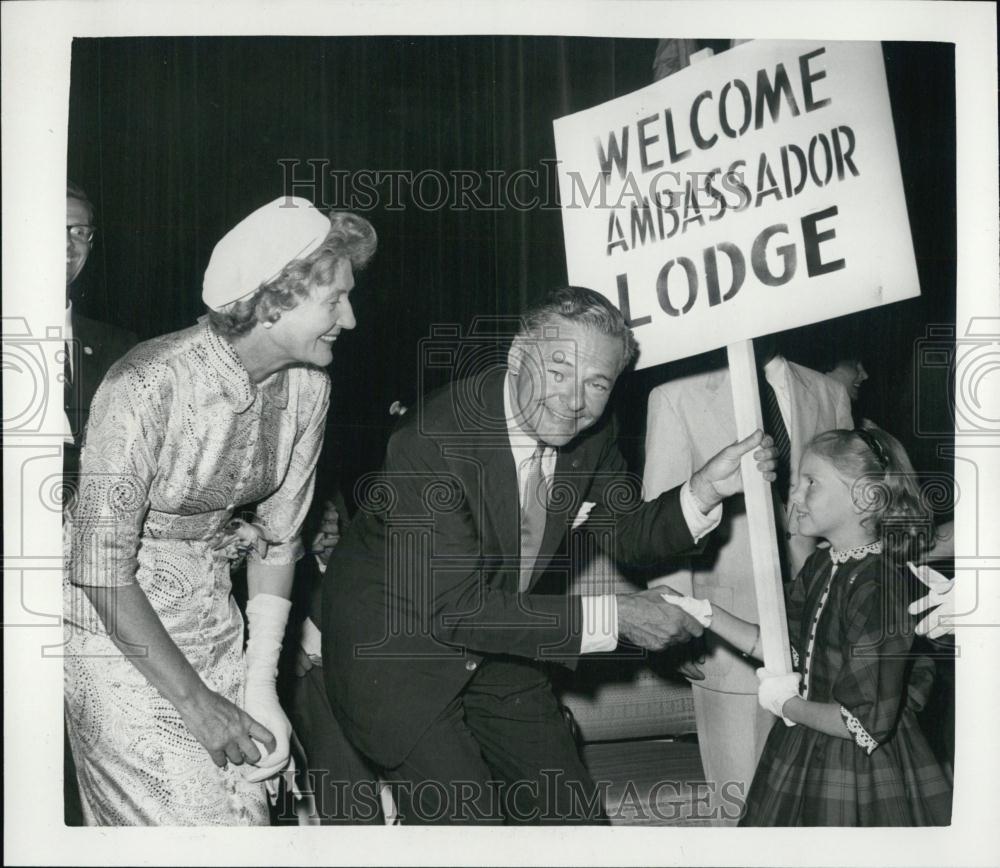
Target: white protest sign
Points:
x,y
751,193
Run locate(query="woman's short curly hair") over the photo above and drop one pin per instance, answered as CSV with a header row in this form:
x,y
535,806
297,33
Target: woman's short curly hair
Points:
x,y
350,237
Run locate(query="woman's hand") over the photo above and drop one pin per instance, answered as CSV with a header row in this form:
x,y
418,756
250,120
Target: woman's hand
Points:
x,y
226,731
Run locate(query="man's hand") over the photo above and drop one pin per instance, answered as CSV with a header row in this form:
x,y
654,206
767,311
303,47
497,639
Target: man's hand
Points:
x,y
720,477
238,538
303,663
644,619
691,670
700,610
328,535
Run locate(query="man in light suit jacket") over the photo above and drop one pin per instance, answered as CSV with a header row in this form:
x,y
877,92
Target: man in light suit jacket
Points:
x,y
690,418
433,640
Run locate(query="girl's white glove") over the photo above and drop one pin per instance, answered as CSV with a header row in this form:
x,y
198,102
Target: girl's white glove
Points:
x,y
775,690
700,610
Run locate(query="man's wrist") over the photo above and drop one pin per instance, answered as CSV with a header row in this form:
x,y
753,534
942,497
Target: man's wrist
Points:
x,y
703,493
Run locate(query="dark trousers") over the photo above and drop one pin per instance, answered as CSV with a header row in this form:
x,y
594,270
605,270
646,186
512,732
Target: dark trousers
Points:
x,y
343,784
500,752
72,807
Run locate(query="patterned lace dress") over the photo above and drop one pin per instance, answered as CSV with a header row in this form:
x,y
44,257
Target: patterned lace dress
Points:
x,y
851,638
178,425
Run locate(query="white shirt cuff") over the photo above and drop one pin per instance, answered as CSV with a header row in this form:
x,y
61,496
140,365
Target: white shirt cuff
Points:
x,y
311,639
600,624
698,522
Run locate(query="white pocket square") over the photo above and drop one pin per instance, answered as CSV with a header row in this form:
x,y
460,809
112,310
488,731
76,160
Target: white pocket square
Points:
x,y
581,516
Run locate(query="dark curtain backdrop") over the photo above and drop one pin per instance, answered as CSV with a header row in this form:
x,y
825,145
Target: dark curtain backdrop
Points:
x,y
177,139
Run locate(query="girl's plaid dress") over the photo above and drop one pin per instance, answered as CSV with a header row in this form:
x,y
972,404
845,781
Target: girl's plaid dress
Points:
x,y
851,638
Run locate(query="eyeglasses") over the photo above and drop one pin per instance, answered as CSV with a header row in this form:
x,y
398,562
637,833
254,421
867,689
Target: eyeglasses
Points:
x,y
81,232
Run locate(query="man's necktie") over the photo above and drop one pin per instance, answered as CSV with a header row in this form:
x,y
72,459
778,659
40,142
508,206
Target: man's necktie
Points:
x,y
69,404
533,512
71,422
774,424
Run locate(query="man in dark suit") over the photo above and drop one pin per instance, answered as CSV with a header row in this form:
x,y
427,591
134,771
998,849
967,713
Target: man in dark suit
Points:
x,y
435,638
91,348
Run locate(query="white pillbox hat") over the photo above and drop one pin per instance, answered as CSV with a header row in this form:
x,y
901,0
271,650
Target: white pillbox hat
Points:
x,y
256,249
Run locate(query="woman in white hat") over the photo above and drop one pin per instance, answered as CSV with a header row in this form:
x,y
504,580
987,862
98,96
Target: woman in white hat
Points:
x,y
170,721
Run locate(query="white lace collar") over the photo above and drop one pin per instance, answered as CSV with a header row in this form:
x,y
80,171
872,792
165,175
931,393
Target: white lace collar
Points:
x,y
855,554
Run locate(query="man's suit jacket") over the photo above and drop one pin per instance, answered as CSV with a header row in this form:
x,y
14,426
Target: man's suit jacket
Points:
x,y
424,585
97,346
689,420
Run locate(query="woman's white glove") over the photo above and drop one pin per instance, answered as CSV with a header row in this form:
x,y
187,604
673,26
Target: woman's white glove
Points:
x,y
700,610
941,600
775,690
267,616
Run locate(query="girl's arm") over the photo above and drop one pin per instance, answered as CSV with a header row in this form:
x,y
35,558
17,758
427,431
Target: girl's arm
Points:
x,y
824,717
742,635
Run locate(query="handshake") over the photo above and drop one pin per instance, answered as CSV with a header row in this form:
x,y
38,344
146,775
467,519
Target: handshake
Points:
x,y
646,619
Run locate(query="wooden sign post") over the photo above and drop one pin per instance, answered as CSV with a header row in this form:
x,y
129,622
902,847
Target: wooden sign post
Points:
x,y
760,514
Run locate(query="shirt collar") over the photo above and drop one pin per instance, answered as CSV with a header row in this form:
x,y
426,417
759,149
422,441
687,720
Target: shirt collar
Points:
x,y
774,370
231,376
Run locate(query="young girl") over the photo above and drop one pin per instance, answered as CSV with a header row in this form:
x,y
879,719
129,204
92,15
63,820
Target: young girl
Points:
x,y
850,752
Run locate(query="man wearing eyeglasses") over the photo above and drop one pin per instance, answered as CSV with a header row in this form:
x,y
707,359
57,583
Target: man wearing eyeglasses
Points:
x,y
91,348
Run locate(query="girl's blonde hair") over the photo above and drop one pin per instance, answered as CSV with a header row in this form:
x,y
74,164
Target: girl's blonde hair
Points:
x,y
883,484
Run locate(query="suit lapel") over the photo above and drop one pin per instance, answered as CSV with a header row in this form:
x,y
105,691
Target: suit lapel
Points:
x,y
723,417
498,477
92,364
556,518
500,495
